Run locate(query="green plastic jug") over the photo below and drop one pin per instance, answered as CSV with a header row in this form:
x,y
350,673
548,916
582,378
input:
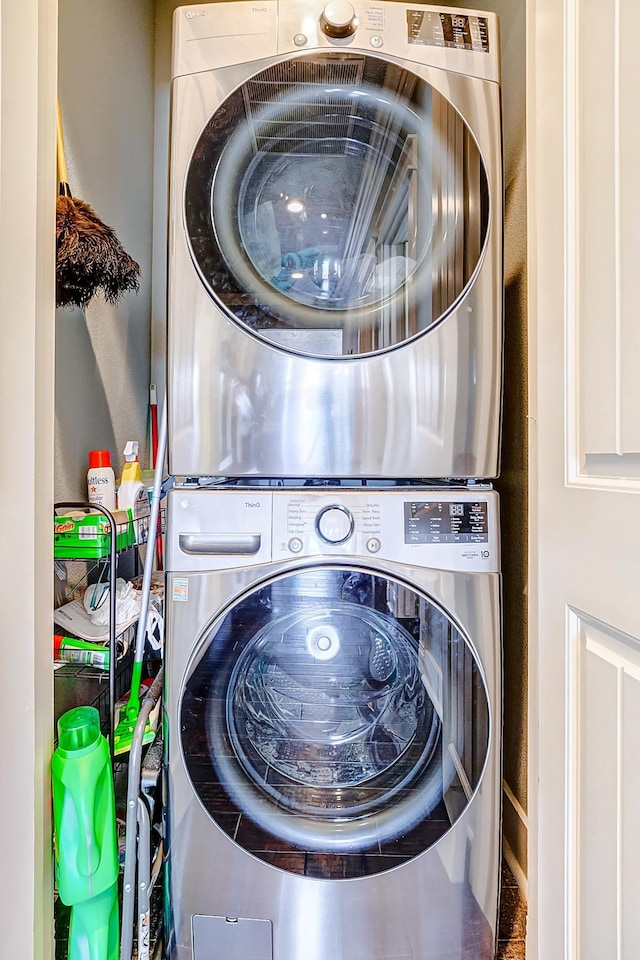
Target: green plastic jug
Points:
x,y
86,846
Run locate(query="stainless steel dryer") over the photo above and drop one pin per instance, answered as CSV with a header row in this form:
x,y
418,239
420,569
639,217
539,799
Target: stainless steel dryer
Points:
x,y
335,268
333,716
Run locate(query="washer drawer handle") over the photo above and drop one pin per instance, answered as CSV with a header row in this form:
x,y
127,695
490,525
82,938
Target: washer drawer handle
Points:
x,y
245,544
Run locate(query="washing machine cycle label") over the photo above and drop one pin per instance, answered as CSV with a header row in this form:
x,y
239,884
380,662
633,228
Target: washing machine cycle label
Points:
x,y
296,516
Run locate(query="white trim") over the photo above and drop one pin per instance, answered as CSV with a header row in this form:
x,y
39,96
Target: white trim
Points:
x,y
605,484
571,175
515,803
572,773
609,645
605,648
620,811
575,474
462,774
522,831
617,307
515,868
534,21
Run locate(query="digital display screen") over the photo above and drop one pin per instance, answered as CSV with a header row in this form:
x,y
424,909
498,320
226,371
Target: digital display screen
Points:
x,y
436,521
441,29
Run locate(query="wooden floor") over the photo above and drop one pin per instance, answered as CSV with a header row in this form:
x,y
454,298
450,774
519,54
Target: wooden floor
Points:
x,y
512,925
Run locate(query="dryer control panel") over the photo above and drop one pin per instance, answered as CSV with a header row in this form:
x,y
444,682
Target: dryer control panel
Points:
x,y
213,35
213,529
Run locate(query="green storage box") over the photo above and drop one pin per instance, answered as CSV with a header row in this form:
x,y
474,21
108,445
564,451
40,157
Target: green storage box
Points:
x,y
87,536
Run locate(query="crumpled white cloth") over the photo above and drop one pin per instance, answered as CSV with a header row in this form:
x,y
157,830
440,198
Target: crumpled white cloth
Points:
x,y
96,602
155,626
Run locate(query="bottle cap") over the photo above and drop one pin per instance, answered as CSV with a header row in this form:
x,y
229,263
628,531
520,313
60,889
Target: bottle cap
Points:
x,y
131,451
99,458
78,728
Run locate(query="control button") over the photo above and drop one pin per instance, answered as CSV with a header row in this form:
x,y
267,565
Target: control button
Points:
x,y
338,19
334,524
295,544
299,39
376,42
373,545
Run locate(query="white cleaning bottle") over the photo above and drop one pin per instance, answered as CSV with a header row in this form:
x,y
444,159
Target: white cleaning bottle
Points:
x,y
101,480
132,493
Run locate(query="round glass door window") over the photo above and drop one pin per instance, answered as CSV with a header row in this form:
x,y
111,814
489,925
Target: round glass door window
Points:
x,y
336,204
335,723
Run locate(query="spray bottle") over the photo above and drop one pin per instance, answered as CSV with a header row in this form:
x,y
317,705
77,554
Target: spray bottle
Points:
x,y
132,493
73,650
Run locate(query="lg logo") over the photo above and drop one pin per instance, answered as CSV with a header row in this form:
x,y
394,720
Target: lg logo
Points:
x,y
190,14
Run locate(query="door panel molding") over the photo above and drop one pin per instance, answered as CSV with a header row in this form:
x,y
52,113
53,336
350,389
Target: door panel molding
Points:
x,y
602,238
602,784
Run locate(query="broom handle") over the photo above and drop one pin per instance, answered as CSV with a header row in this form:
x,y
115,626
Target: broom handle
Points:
x,y
60,158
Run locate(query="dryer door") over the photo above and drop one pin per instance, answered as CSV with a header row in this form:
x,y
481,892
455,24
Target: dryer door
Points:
x,y
335,722
336,205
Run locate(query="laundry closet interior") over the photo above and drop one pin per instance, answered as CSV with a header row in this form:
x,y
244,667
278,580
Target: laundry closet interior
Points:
x,y
114,90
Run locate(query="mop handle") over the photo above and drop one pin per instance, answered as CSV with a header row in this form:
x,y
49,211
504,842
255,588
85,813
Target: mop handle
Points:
x,y
134,697
60,158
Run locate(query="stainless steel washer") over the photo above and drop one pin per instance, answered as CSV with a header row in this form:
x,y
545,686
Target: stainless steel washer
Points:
x,y
333,711
335,267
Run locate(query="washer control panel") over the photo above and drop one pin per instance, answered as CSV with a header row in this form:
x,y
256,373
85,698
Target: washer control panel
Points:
x,y
212,529
324,522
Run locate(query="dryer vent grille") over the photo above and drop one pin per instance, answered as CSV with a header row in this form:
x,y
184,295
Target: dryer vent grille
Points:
x,y
332,71
310,116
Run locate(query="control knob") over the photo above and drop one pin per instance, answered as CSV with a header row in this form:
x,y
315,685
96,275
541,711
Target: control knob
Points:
x,y
334,524
339,20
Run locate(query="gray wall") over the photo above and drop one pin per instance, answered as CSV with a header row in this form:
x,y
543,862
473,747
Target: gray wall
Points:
x,y
106,91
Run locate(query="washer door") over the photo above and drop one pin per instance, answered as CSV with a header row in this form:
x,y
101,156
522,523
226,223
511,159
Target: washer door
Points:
x,y
334,722
337,205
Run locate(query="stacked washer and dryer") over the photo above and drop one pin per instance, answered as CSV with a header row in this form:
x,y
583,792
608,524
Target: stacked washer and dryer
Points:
x,y
333,652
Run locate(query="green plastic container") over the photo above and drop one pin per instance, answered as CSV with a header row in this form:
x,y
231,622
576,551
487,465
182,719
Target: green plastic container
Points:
x,y
89,536
94,929
86,849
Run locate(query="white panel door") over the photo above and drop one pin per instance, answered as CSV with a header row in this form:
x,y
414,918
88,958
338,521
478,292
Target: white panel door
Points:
x,y
584,236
